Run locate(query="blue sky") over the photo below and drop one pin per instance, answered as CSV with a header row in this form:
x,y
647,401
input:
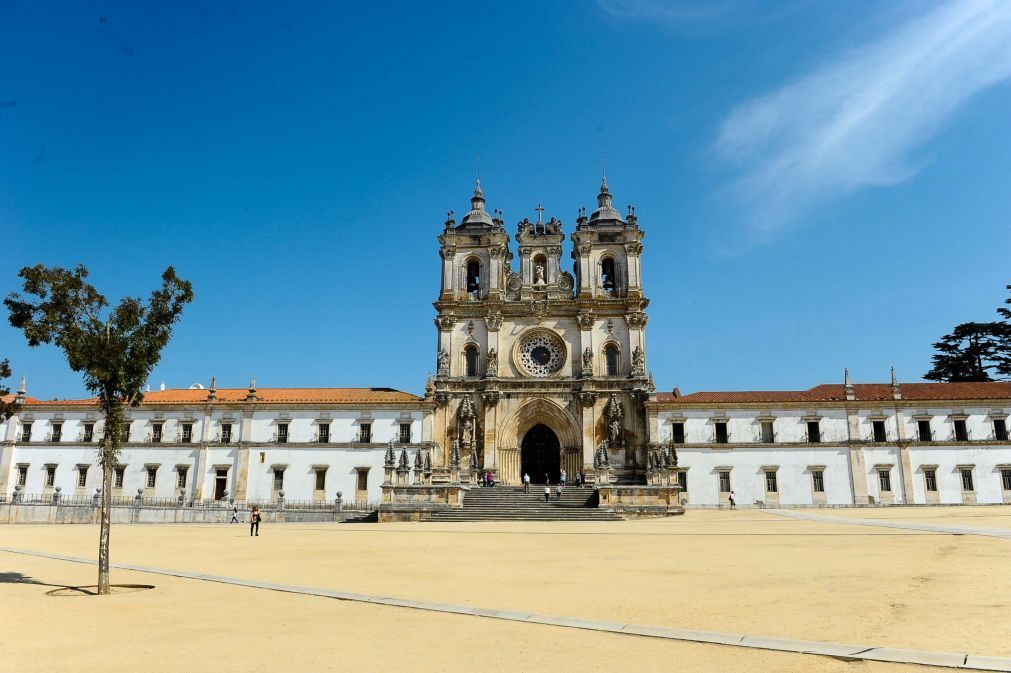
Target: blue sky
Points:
x,y
822,185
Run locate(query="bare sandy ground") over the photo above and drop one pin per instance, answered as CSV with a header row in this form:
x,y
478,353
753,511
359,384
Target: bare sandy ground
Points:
x,y
745,571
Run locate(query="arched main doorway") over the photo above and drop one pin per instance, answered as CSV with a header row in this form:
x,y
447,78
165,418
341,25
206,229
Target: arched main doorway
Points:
x,y
540,455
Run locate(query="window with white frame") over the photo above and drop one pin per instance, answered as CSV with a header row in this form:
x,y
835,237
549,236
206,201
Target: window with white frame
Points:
x,y
89,433
57,432
152,475
320,478
187,435
768,435
156,432
771,485
120,474
82,476
22,475
721,434
966,473
930,479
50,480
885,480
182,472
323,433
960,430
278,478
923,431
678,432
814,431
724,481
405,433
282,433
818,480
226,433
26,431
365,433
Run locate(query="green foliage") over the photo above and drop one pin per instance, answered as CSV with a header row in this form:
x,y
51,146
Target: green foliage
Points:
x,y
973,351
7,409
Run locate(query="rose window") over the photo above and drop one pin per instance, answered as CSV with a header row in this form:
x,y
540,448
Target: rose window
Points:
x,y
541,355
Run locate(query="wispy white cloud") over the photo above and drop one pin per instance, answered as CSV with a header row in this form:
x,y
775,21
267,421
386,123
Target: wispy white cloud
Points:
x,y
676,11
855,121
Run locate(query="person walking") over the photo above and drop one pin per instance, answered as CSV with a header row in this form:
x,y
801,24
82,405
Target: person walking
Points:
x,y
526,482
547,493
254,521
579,480
733,502
561,478
558,491
235,514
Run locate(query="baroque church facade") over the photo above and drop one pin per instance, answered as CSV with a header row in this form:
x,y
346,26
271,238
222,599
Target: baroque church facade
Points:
x,y
541,366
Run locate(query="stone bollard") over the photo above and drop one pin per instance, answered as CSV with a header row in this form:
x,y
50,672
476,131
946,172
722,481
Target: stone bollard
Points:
x,y
280,499
56,495
339,502
16,495
182,496
96,499
138,499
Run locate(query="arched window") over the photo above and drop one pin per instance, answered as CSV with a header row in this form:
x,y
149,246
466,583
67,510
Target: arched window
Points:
x,y
611,359
473,275
470,360
608,279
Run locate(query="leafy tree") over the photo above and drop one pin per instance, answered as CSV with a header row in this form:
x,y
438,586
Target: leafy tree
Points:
x,y
1006,312
114,348
7,409
974,351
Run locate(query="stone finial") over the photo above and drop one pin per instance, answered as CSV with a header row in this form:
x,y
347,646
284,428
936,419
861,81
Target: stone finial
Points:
x,y
251,395
896,390
403,459
212,394
22,391
848,385
390,458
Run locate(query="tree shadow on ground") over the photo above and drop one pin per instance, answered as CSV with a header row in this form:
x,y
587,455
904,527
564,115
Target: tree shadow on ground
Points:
x,y
21,578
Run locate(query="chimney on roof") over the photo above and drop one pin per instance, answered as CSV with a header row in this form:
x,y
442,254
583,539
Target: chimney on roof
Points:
x,y
896,392
212,394
20,397
162,386
251,395
850,393
676,392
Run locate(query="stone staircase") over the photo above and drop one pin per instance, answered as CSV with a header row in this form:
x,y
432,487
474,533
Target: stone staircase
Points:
x,y
510,503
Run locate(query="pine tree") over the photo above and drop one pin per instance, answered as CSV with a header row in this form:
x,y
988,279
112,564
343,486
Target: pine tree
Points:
x,y
973,351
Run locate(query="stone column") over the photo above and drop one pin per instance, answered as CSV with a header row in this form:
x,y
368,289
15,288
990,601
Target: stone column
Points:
x,y
7,453
242,472
588,401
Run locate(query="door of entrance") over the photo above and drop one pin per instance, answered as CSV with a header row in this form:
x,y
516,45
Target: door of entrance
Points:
x,y
220,484
540,455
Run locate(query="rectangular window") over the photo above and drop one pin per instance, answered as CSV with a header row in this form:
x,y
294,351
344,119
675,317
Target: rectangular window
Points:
x,y
22,475
156,432
813,432
26,432
118,481
279,479
50,475
879,431
678,433
89,432
363,479
181,473
152,476
1005,478
725,481
1000,429
187,433
57,431
768,436
930,479
961,430
82,476
320,479
923,430
966,478
124,435
226,432
683,481
282,433
818,477
405,433
770,482
324,433
722,434
885,480
365,433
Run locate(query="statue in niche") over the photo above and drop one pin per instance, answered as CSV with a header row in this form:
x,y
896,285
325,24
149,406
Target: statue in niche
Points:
x,y
587,358
615,432
492,362
468,431
539,275
638,360
443,362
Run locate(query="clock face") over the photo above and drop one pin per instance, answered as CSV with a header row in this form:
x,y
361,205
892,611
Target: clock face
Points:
x,y
541,354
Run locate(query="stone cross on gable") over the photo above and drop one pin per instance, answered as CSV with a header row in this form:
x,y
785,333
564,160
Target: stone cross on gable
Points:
x,y
539,209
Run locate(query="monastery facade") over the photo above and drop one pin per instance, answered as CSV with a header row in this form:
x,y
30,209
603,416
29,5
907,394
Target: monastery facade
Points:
x,y
539,369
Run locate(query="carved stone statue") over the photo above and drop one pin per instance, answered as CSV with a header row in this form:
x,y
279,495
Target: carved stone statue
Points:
x,y
443,362
539,275
587,358
638,360
492,369
468,431
614,430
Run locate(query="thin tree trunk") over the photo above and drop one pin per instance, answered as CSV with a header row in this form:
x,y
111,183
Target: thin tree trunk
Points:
x,y
110,451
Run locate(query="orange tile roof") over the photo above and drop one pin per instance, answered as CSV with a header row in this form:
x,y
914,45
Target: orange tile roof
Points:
x,y
263,396
834,392
10,398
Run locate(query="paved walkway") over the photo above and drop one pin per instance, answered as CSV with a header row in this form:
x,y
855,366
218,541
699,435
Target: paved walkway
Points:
x,y
837,650
903,525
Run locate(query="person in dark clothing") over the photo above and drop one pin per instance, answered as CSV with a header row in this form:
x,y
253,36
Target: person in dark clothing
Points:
x,y
254,521
547,493
235,514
